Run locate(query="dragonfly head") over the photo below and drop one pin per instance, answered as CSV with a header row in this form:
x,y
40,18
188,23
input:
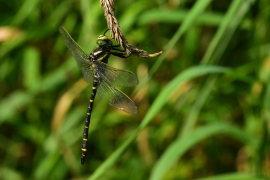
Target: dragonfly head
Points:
x,y
103,40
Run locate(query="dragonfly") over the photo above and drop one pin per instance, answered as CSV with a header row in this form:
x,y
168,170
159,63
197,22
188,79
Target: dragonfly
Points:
x,y
103,77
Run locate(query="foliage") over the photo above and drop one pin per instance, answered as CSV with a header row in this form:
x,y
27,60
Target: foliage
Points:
x,y
204,104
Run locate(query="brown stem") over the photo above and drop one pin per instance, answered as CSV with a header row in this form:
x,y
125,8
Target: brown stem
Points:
x,y
117,34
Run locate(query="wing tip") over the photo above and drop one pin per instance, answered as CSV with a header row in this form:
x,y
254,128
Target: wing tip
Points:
x,y
133,110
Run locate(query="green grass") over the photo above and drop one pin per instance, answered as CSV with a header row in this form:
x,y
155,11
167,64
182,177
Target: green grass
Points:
x,y
204,104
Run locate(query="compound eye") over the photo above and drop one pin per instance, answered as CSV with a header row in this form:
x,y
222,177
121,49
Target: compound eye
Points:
x,y
101,42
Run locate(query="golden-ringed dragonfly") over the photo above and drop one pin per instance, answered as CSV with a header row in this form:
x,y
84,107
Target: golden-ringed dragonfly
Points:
x,y
103,77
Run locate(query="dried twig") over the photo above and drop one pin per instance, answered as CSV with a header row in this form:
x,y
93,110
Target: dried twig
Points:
x,y
117,34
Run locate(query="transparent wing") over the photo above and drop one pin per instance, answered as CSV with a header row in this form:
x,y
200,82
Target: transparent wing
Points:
x,y
80,56
118,99
117,77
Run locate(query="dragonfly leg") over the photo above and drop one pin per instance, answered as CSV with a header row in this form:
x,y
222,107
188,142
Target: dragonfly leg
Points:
x,y
120,54
117,49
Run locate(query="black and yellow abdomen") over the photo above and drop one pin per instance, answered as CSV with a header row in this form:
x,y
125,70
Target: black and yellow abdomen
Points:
x,y
87,119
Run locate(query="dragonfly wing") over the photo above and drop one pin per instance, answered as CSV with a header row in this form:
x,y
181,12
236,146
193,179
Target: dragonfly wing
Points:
x,y
117,77
80,56
117,98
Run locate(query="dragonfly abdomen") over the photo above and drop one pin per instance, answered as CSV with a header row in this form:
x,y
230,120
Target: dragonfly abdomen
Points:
x,y
87,120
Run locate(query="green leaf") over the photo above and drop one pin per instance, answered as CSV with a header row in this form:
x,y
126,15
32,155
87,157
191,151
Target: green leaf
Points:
x,y
185,142
31,68
186,75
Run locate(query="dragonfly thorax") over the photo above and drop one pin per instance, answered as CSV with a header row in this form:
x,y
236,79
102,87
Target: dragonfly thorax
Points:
x,y
101,53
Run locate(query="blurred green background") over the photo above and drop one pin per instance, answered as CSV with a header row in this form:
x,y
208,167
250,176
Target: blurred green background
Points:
x,y
204,104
